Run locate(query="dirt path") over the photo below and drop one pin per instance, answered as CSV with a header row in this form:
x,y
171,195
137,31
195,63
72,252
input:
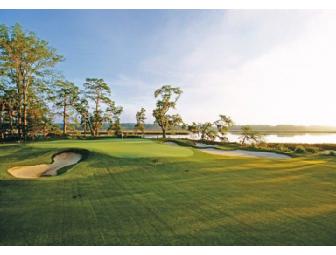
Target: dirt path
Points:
x,y
59,161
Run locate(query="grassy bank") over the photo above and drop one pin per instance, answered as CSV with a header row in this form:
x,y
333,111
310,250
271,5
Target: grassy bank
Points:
x,y
290,149
143,192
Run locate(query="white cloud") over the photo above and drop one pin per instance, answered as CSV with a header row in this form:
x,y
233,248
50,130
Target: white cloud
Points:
x,y
260,67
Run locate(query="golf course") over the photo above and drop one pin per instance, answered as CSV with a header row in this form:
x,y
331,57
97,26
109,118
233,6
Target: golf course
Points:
x,y
147,192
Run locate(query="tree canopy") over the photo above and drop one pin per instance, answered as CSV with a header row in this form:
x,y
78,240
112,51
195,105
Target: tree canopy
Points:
x,y
66,96
99,92
31,89
167,97
249,135
26,62
140,120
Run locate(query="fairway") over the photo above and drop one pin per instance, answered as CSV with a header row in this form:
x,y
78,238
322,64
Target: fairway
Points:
x,y
143,192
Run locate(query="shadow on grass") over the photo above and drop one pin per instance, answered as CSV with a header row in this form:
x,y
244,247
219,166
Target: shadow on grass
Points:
x,y
23,153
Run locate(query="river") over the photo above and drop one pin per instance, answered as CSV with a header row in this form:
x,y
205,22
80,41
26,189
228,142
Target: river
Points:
x,y
309,138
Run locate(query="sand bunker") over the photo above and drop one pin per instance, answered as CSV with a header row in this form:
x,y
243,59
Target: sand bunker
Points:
x,y
59,161
203,145
242,153
171,143
198,145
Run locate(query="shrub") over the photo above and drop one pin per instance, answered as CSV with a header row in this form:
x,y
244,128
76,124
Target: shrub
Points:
x,y
264,148
262,145
75,133
332,153
281,147
300,149
291,147
313,149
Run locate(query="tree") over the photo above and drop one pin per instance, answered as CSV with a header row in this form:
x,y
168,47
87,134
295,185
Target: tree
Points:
x,y
223,126
193,128
140,121
211,134
8,109
112,115
25,59
167,97
98,91
66,94
82,107
39,117
249,135
206,130
2,110
11,106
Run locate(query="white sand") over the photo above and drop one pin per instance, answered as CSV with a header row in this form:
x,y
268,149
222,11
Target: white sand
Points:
x,y
198,145
28,172
242,153
171,143
203,145
60,160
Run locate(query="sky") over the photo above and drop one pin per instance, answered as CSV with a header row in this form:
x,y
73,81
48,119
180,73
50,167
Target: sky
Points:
x,y
257,66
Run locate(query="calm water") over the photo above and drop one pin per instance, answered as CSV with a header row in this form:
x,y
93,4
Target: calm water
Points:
x,y
310,138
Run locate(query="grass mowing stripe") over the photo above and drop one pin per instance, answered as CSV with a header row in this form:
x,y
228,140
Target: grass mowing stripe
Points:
x,y
160,197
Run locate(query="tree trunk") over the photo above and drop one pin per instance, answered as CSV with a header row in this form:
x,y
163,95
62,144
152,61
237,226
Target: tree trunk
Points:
x,y
89,123
1,113
24,114
19,99
10,113
64,118
85,128
163,133
2,121
19,116
96,117
92,130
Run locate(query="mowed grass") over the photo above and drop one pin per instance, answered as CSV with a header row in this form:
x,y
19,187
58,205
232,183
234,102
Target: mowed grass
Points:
x,y
141,192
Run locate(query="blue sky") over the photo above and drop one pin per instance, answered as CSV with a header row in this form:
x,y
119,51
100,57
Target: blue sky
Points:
x,y
95,43
259,67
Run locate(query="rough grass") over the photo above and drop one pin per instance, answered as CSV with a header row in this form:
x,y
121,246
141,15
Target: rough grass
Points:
x,y
139,192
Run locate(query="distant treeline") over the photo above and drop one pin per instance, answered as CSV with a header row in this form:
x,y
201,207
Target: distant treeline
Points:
x,y
286,128
237,128
126,126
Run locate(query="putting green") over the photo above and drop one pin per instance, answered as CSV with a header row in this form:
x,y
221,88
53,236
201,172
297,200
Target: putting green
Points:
x,y
132,148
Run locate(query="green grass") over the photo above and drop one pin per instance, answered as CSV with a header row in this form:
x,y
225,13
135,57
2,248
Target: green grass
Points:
x,y
142,192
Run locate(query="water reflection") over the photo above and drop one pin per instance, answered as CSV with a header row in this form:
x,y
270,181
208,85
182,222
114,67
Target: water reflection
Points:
x,y
309,138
